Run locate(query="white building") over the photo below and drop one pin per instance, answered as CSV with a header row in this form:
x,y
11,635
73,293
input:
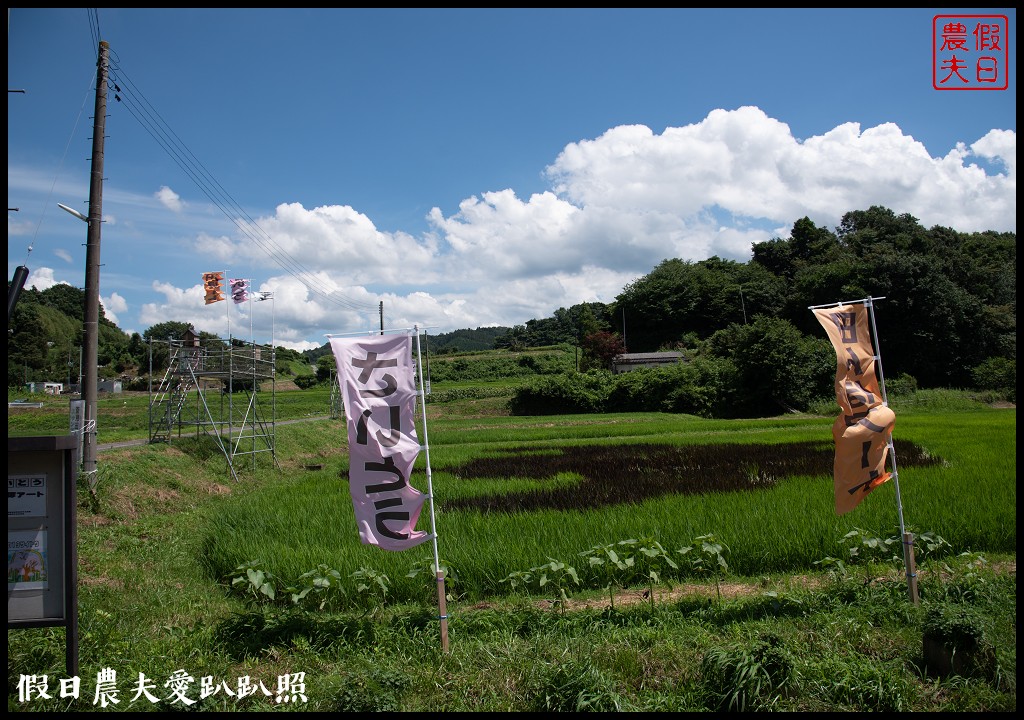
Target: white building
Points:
x,y
50,388
110,386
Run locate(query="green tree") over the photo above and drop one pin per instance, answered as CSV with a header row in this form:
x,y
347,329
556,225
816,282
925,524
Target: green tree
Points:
x,y
326,367
778,368
112,353
999,375
861,229
680,297
138,351
656,306
600,349
66,298
928,325
588,319
26,345
208,339
158,336
514,339
775,256
170,330
811,244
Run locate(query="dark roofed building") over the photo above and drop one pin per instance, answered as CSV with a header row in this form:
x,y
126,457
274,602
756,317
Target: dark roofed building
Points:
x,y
632,361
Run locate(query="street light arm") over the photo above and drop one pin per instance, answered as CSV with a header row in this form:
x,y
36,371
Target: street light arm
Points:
x,y
74,212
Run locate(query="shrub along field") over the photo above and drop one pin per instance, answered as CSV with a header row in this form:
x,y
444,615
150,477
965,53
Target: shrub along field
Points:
x,y
630,561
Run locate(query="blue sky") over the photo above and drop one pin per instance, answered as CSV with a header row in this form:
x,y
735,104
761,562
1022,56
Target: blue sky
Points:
x,y
476,167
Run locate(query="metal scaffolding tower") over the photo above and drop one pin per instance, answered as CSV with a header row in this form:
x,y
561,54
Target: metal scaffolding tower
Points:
x,y
212,387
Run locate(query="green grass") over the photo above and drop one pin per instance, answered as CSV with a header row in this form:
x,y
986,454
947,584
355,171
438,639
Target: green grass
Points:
x,y
158,552
784,528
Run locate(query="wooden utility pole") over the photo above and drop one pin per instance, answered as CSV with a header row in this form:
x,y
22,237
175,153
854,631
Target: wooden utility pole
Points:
x,y
90,377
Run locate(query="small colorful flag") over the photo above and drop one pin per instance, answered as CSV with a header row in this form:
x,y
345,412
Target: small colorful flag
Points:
x,y
212,287
239,290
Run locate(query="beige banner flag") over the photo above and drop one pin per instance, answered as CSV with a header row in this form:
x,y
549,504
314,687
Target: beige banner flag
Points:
x,y
864,426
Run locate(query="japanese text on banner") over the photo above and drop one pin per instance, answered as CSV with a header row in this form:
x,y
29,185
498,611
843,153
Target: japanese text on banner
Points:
x,y
378,388
864,425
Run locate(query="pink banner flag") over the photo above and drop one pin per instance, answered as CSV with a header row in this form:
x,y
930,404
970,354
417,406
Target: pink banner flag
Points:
x,y
239,290
864,426
378,386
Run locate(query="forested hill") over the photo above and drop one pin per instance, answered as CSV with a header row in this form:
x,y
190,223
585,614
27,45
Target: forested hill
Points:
x,y
947,306
482,338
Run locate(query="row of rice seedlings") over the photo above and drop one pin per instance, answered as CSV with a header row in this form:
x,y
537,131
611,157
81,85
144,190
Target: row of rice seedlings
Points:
x,y
772,523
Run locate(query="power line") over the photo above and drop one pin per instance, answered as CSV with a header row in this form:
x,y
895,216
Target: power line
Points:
x,y
94,25
132,98
63,157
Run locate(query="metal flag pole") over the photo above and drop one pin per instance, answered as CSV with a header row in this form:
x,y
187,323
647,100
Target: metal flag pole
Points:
x,y
227,308
267,295
906,537
255,380
252,337
231,372
438,572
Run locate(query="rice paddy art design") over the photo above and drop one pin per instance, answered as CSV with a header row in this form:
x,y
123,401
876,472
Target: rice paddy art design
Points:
x,y
621,474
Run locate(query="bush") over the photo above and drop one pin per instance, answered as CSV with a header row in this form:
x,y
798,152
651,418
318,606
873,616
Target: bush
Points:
x,y
705,388
641,390
305,382
998,374
565,394
777,367
138,384
902,384
954,642
702,387
499,367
